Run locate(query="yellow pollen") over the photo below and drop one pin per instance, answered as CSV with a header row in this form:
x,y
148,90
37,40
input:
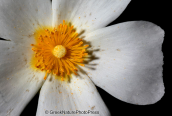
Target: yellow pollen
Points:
x,y
59,51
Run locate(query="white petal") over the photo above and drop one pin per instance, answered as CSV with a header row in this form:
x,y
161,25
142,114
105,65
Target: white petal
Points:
x,y
18,82
87,15
78,94
129,61
19,19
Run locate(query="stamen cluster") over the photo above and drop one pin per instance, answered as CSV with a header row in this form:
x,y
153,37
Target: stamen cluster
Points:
x,y
48,39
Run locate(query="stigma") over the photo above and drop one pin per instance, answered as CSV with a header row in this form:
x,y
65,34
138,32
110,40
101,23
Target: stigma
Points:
x,y
58,50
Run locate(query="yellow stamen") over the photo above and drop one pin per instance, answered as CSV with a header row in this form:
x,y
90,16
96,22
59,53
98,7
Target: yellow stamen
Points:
x,y
58,50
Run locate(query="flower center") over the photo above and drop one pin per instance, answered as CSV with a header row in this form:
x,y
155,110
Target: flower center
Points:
x,y
58,50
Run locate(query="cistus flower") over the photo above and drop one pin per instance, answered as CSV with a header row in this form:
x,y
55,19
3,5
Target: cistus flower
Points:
x,y
63,48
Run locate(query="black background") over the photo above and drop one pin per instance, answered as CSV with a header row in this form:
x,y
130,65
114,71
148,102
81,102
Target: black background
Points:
x,y
157,12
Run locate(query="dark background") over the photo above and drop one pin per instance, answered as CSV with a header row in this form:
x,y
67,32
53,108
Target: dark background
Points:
x,y
156,12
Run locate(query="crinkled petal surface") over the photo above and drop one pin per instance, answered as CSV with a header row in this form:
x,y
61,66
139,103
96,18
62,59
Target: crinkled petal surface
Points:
x,y
19,18
129,61
18,82
78,94
87,15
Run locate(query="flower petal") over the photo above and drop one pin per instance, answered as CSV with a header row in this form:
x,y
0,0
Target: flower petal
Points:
x,y
78,94
18,83
18,19
87,15
129,61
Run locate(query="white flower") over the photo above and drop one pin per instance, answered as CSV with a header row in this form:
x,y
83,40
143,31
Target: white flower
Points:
x,y
128,63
